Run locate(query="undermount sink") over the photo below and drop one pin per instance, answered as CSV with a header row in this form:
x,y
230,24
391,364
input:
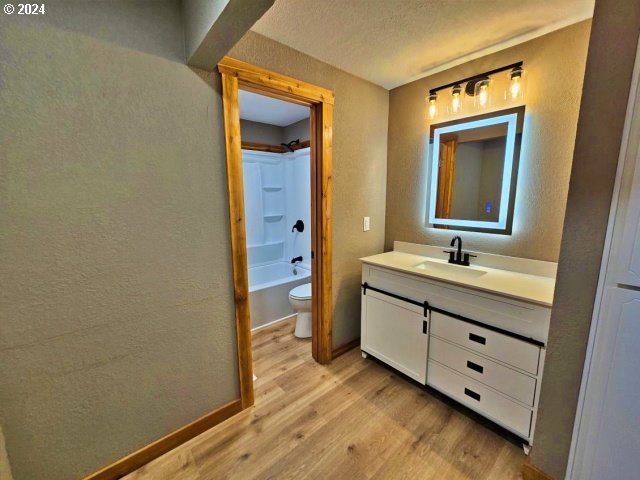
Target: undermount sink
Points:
x,y
450,269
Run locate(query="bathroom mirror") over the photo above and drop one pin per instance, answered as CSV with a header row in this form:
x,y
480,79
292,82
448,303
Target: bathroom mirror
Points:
x,y
474,169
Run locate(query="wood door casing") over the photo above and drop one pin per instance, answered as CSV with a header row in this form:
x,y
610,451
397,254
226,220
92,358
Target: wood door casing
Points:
x,y
446,175
236,74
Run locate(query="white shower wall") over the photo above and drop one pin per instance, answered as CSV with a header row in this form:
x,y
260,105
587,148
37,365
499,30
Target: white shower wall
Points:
x,y
277,192
297,171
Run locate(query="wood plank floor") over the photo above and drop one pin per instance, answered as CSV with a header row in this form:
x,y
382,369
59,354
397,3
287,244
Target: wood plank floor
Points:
x,y
354,419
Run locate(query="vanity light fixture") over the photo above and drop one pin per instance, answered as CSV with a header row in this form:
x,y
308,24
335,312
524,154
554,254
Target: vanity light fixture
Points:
x,y
432,106
478,87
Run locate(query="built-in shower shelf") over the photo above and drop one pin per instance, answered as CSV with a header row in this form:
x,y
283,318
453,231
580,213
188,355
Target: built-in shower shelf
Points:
x,y
274,215
265,244
272,188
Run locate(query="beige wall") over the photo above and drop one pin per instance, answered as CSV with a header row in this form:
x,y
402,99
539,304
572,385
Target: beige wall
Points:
x,y
117,321
212,27
261,132
5,468
555,64
116,310
272,134
359,167
198,18
612,51
299,130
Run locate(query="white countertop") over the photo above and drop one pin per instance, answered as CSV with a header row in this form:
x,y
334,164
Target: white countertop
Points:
x,y
536,289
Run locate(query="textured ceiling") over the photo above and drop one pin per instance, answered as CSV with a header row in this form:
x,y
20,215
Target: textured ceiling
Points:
x,y
259,108
392,42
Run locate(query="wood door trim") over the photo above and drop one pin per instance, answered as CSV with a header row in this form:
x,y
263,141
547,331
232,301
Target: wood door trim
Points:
x,y
261,80
262,147
150,452
265,147
231,111
236,74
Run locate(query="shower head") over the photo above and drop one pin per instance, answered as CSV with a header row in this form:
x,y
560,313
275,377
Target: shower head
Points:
x,y
289,145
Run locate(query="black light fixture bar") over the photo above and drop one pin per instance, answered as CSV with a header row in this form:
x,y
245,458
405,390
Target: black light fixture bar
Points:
x,y
477,77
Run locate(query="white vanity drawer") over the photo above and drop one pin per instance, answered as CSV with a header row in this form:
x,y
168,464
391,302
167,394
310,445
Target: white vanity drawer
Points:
x,y
512,351
517,385
480,398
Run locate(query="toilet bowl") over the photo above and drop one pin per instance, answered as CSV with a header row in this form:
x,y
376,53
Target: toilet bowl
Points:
x,y
300,299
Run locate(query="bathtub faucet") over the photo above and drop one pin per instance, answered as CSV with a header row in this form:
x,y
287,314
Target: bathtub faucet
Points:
x,y
296,260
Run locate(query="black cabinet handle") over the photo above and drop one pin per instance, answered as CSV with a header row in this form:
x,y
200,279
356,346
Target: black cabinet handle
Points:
x,y
477,338
475,366
472,394
424,326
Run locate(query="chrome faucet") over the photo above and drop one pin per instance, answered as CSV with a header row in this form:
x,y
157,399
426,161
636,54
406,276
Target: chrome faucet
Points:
x,y
456,256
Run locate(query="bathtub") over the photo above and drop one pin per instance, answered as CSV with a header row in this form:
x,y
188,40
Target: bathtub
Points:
x,y
269,287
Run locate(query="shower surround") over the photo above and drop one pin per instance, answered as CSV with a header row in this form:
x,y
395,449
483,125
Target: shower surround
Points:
x,y
277,193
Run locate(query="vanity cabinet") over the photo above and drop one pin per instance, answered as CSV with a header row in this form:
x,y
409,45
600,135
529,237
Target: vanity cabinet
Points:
x,y
482,350
396,333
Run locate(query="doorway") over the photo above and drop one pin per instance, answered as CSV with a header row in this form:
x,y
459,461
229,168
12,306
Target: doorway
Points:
x,y
238,75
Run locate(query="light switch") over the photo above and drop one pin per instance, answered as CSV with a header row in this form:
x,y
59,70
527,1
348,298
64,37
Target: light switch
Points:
x,y
366,224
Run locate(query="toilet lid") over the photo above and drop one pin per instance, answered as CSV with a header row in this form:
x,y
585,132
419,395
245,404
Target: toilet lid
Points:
x,y
302,292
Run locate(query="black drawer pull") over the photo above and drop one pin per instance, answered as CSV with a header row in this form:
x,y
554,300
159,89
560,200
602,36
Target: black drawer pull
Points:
x,y
477,338
475,366
472,394
424,326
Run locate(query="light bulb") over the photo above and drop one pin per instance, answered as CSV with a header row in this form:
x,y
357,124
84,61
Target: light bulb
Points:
x,y
456,100
515,87
483,96
517,84
432,110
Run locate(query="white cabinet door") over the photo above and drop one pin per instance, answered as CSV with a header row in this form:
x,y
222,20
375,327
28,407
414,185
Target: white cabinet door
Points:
x,y
395,332
628,255
616,385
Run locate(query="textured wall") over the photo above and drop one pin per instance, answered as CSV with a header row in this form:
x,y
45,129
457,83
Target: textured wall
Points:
x,y
212,27
299,130
5,468
592,177
261,132
198,18
149,26
555,64
272,134
116,307
359,167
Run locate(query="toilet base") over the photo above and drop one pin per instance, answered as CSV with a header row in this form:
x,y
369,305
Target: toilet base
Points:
x,y
303,325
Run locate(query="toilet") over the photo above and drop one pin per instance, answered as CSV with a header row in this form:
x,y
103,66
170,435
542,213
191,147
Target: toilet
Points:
x,y
300,299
